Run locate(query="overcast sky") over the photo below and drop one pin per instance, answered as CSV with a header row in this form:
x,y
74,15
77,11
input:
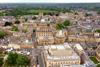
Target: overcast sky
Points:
x,y
48,1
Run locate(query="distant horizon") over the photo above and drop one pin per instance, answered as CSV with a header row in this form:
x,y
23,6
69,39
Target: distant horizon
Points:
x,y
49,1
52,3
46,5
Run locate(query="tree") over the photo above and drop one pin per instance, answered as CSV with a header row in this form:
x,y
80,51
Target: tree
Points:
x,y
2,34
15,59
98,65
98,12
11,60
1,62
66,23
22,60
1,14
98,30
59,26
15,28
63,25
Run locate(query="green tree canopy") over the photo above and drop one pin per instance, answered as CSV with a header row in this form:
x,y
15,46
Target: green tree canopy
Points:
x,y
98,30
59,26
22,60
98,12
98,65
15,59
15,28
11,60
1,62
1,14
2,34
63,25
66,23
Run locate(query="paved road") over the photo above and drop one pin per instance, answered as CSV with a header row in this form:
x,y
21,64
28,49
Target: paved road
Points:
x,y
35,54
41,61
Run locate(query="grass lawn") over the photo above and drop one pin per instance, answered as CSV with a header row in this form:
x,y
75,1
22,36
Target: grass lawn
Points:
x,y
93,58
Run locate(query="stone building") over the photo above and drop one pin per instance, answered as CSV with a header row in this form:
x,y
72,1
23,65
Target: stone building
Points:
x,y
60,37
44,34
59,56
